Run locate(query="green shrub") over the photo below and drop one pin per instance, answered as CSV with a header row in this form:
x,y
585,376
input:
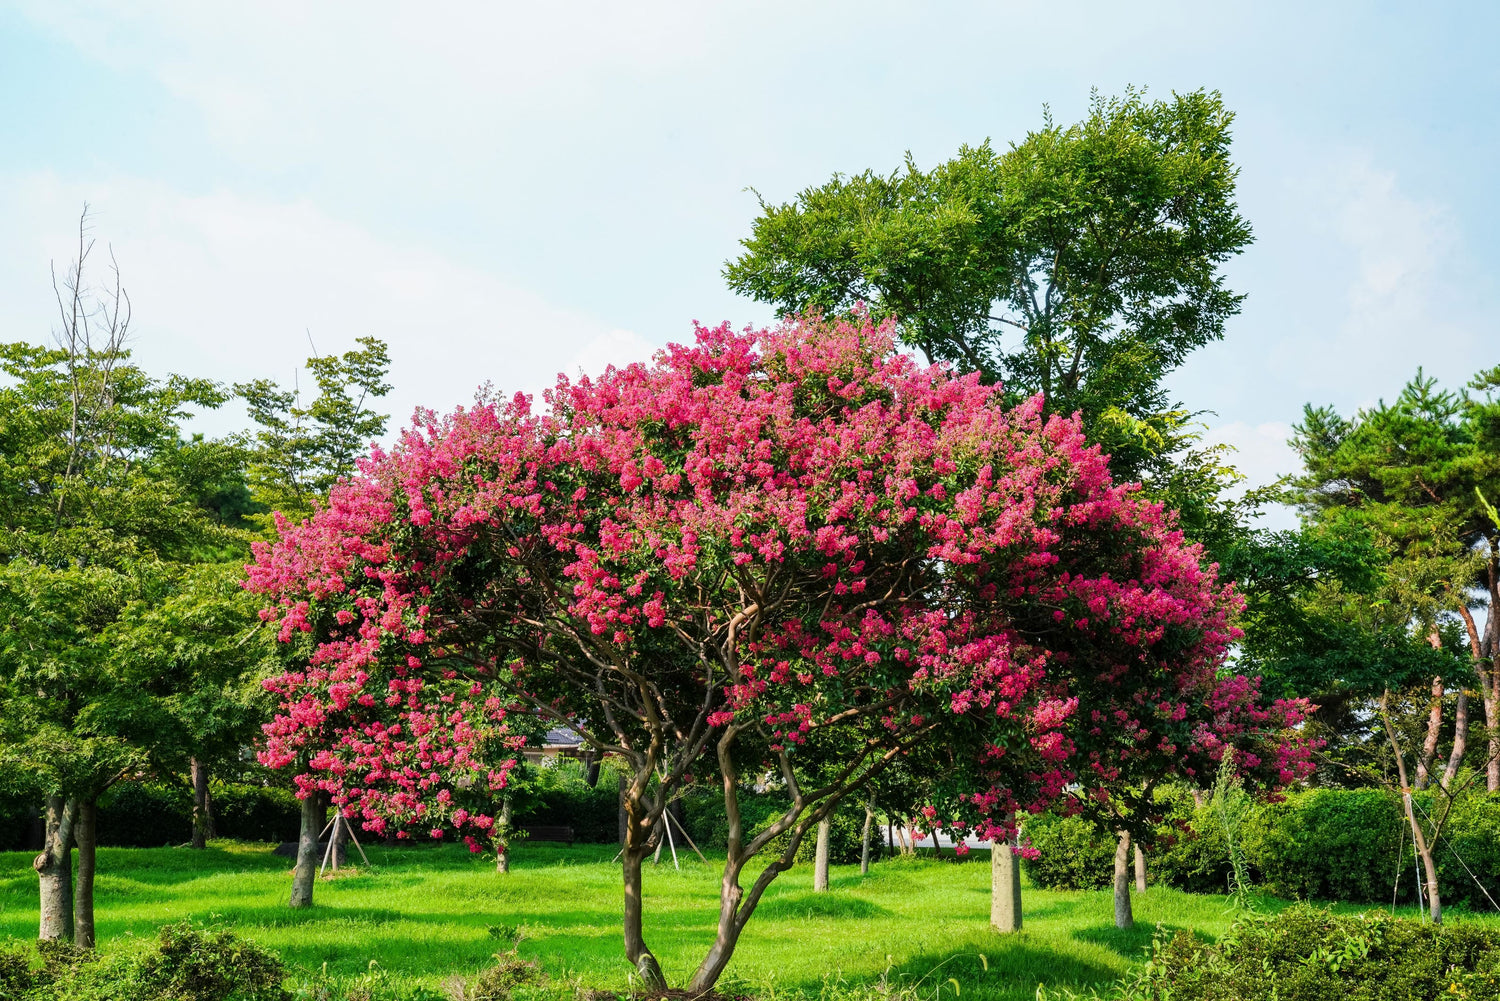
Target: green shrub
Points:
x,y
152,814
1330,844
145,815
184,964
16,973
256,813
1190,853
1072,853
190,964
558,794
1306,954
1472,839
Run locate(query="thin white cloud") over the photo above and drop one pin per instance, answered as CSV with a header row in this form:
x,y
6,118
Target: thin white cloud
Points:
x,y
229,287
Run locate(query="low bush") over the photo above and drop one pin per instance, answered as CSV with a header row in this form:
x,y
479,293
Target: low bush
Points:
x,y
1190,852
1306,954
1330,844
152,814
185,964
1350,845
1072,853
710,827
257,813
556,793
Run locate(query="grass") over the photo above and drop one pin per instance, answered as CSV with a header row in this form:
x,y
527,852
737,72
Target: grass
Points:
x,y
425,914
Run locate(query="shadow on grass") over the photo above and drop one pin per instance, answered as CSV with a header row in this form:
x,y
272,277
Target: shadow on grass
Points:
x,y
1014,965
817,905
1131,942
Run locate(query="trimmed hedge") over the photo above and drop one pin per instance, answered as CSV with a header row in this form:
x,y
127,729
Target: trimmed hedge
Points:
x,y
152,814
1306,954
1072,853
710,827
1321,844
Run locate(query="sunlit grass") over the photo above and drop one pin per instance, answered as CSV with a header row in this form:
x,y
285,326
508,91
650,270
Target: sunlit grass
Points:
x,y
423,914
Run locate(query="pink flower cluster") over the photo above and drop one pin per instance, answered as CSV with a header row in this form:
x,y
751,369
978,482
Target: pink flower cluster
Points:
x,y
795,531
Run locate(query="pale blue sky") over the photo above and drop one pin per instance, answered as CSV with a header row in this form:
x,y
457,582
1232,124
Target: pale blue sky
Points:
x,y
503,191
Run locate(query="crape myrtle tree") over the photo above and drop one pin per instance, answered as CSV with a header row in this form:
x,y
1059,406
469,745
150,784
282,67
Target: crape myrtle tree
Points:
x,y
793,551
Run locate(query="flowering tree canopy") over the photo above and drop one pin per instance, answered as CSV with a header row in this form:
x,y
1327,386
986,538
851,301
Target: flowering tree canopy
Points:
x,y
791,553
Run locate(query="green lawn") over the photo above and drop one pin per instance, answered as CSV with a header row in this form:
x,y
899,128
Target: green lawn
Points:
x,y
424,914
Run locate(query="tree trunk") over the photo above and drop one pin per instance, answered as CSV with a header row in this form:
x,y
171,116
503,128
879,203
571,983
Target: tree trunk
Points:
x,y
1005,885
1429,864
1434,726
1140,870
314,816
502,837
1487,669
624,820
1489,681
864,837
636,950
1123,918
1460,739
201,823
54,870
1419,839
85,836
820,856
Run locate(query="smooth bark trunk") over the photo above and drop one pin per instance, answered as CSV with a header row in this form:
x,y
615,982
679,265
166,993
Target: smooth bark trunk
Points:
x,y
502,838
820,856
1418,836
1460,739
1489,680
1140,870
1123,917
85,836
54,870
1005,886
314,816
864,837
636,950
202,825
1485,669
624,820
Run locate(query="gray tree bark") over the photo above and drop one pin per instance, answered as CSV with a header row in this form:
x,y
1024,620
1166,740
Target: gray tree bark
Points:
x,y
54,870
314,816
1140,870
864,838
820,857
1460,739
502,837
86,838
1005,886
1123,917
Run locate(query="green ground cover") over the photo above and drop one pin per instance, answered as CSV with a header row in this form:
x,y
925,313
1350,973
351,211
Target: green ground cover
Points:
x,y
421,915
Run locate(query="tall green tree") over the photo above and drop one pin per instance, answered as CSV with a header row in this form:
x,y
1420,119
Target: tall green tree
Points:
x,y
1412,474
1083,263
302,447
106,510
